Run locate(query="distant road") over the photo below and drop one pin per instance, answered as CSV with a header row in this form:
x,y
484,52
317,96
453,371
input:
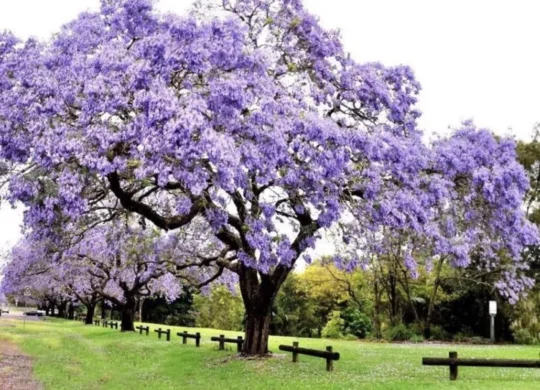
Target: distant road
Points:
x,y
19,316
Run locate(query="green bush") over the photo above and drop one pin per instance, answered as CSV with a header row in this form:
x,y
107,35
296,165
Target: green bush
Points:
x,y
350,337
479,340
334,326
356,323
523,336
461,337
416,339
438,333
399,333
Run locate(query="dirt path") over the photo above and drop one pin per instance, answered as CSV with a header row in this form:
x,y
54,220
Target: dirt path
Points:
x,y
15,369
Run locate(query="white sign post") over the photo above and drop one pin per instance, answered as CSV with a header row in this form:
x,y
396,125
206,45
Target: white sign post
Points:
x,y
492,313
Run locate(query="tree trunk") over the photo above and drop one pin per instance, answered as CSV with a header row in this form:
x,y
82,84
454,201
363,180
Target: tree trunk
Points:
x,y
71,311
62,310
377,313
128,315
141,303
258,293
90,310
257,333
427,323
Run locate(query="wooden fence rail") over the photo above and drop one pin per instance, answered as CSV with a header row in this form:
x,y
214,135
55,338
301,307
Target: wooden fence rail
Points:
x,y
239,341
329,354
113,324
104,323
143,328
185,335
160,332
453,363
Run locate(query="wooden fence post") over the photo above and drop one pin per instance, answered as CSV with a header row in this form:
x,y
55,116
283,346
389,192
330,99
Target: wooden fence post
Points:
x,y
168,335
239,344
329,362
184,338
198,339
453,365
295,354
221,342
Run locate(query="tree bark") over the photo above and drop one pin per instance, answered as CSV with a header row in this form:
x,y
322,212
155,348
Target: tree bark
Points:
x,y
427,324
128,315
258,293
257,333
90,310
62,310
71,311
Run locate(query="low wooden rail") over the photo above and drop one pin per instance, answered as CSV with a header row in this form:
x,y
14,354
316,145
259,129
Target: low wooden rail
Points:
x,y
113,324
104,323
160,332
97,322
185,335
239,341
453,363
329,354
143,328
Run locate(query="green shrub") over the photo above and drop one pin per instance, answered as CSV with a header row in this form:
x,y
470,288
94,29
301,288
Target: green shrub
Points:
x,y
523,336
416,339
356,323
438,333
461,337
350,337
399,333
334,326
479,340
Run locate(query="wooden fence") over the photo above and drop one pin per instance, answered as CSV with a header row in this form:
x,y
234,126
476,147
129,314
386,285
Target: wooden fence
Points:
x,y
329,354
185,335
143,328
453,363
239,341
160,332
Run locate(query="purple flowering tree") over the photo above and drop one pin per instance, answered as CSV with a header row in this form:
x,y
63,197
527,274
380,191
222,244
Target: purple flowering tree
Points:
x,y
30,270
123,263
253,118
467,200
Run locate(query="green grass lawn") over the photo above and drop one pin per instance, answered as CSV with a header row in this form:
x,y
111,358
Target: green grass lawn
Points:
x,y
69,355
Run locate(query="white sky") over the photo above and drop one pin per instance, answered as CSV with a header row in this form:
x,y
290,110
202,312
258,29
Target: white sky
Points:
x,y
475,59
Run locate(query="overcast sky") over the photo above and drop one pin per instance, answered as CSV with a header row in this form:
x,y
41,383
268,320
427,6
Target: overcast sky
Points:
x,y
475,59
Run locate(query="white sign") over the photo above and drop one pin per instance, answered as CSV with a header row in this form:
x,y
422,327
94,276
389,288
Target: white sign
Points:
x,y
492,308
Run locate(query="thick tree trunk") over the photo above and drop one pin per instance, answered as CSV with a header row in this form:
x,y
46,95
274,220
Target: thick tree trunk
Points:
x,y
128,315
71,311
90,310
258,293
257,333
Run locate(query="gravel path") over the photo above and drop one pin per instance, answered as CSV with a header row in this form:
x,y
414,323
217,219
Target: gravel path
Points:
x,y
15,369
